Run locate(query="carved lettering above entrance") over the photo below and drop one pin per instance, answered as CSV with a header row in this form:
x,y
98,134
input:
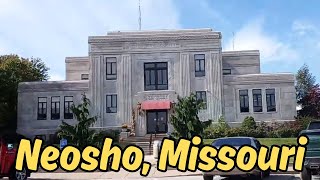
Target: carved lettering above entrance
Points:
x,y
148,45
156,97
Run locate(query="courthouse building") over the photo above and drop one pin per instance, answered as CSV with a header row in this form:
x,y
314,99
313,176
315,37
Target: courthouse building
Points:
x,y
135,78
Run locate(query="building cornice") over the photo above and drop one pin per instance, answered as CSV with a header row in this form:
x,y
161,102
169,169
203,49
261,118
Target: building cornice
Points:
x,y
154,37
241,53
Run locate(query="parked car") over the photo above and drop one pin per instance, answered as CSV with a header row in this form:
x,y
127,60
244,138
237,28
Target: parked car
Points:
x,y
312,158
314,125
236,142
8,153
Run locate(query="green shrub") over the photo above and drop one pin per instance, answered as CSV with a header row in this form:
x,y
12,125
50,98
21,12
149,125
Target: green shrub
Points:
x,y
249,123
114,134
217,130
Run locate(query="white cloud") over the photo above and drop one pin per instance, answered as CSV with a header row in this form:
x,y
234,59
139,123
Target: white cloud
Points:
x,y
56,77
55,29
253,37
302,27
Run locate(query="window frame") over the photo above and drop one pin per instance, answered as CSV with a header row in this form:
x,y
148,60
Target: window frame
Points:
x,y
82,78
269,97
155,69
246,99
108,110
69,114
226,73
257,100
113,74
44,113
202,96
55,115
197,61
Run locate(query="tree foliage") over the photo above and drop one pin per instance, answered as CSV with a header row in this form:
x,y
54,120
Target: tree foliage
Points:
x,y
305,82
185,119
80,134
13,70
308,93
311,104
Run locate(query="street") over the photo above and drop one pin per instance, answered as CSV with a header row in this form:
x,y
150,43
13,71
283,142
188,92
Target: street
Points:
x,y
272,177
171,174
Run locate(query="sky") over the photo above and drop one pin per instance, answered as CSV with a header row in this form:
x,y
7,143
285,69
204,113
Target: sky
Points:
x,y
286,32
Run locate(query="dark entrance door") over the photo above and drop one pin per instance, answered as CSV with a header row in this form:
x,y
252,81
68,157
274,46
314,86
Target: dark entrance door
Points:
x,y
157,121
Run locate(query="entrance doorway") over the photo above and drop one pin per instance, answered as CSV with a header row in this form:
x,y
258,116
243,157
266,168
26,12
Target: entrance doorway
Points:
x,y
157,121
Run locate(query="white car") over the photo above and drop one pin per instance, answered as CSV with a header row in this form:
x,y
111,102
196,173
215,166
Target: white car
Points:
x,y
236,142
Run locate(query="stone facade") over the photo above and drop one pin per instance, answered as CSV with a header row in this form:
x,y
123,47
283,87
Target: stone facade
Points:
x,y
115,77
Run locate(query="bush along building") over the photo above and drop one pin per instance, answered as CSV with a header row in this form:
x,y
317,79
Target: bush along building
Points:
x,y
134,78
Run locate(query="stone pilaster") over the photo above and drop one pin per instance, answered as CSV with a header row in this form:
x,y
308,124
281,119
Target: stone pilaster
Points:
x,y
96,92
215,85
184,84
124,89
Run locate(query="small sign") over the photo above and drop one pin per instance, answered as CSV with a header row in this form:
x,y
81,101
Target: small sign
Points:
x,y
63,143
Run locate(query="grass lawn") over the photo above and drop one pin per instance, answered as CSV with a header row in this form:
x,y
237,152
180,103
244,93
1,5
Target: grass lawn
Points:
x,y
268,141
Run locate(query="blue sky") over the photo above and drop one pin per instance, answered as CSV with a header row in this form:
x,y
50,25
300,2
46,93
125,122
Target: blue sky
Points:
x,y
286,32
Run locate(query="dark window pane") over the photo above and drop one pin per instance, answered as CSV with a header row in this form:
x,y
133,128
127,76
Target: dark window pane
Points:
x,y
111,103
201,96
149,65
109,68
226,71
271,100
244,101
153,77
199,56
147,77
156,76
202,68
197,66
159,77
161,65
42,108
165,77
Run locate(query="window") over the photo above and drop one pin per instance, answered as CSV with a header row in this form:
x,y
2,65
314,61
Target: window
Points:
x,y
156,76
111,68
68,102
199,60
257,100
84,76
111,103
55,107
271,100
201,95
42,108
226,71
244,101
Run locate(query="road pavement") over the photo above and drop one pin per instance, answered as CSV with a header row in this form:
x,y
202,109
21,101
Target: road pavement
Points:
x,y
168,175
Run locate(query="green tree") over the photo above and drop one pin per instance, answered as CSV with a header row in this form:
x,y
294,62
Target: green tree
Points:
x,y
305,82
13,70
80,134
185,119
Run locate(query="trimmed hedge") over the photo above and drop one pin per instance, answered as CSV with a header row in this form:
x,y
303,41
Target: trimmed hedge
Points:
x,y
251,129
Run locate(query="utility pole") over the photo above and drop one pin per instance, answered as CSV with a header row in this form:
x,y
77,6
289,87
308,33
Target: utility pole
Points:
x,y
139,15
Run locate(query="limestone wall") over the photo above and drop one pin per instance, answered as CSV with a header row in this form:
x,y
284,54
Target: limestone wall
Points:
x,y
285,96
